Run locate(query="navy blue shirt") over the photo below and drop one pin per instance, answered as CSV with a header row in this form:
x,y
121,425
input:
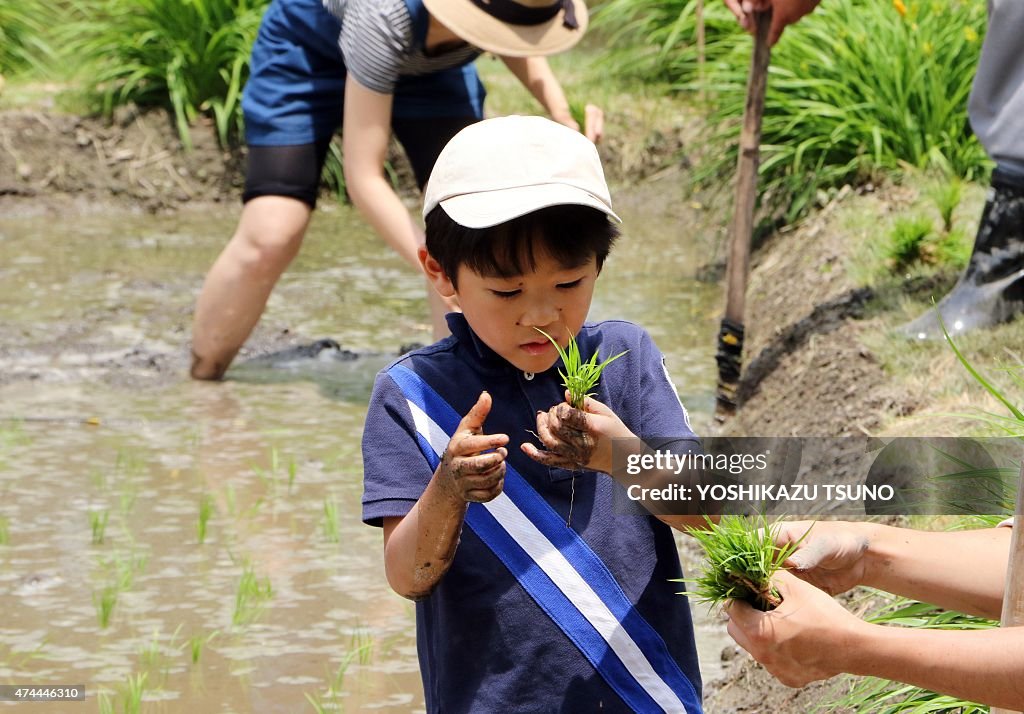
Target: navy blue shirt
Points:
x,y
484,644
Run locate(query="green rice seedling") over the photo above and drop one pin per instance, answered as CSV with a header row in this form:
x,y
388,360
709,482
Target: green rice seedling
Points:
x,y
134,690
105,703
333,174
740,559
126,500
579,377
332,530
105,602
230,499
906,241
251,597
197,642
98,524
205,511
5,535
293,470
946,196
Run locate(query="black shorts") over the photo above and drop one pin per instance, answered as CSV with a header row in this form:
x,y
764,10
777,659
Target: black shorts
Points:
x,y
294,171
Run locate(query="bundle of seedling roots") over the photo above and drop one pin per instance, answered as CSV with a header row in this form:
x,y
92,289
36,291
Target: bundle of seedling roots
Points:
x,y
740,559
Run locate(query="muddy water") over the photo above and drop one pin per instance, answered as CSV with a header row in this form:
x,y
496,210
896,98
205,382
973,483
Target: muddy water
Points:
x,y
111,460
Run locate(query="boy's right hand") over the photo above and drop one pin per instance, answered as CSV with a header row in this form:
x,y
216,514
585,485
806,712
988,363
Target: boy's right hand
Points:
x,y
472,468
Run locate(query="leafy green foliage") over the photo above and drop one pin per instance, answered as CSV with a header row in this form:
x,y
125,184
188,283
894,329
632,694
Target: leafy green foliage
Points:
x,y
740,559
23,29
656,40
579,377
907,240
856,89
190,56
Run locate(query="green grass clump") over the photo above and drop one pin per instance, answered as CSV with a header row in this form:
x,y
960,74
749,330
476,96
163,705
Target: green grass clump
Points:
x,y
740,559
190,56
856,90
946,196
23,28
579,377
5,535
907,242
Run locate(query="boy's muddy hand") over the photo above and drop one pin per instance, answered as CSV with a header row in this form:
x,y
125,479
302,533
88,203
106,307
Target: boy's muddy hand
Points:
x,y
472,468
575,438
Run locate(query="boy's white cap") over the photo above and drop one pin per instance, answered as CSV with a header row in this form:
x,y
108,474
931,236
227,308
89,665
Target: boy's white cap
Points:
x,y
500,169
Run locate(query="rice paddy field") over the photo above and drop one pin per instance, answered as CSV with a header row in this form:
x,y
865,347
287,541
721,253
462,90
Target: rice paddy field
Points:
x,y
180,546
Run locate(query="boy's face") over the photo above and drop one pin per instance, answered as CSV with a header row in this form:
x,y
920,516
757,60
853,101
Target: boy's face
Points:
x,y
503,312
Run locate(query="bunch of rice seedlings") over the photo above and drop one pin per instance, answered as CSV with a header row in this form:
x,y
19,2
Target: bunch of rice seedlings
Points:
x,y
579,377
740,559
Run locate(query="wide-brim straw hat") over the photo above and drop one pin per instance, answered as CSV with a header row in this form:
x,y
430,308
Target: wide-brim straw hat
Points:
x,y
514,28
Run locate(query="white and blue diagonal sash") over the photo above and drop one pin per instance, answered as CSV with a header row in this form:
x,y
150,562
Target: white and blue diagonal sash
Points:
x,y
560,572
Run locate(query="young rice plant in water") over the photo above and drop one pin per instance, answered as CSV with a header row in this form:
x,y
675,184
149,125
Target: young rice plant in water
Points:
x,y
579,377
740,559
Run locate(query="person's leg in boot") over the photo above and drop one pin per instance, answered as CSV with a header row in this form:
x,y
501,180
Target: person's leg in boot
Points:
x,y
991,289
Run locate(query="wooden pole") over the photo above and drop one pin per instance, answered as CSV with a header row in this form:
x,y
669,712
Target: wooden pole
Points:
x,y
730,336
1013,595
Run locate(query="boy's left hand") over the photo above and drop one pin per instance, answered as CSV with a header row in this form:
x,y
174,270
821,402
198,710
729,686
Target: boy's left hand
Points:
x,y
575,438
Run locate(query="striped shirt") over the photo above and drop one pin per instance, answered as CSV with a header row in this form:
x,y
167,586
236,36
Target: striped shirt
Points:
x,y
379,42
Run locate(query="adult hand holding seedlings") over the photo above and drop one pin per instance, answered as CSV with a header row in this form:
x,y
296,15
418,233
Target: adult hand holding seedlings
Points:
x,y
800,641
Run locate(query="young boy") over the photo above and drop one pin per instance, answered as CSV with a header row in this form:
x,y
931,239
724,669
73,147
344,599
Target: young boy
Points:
x,y
532,594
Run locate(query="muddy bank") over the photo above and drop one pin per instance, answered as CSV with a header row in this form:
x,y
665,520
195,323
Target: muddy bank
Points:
x,y
52,163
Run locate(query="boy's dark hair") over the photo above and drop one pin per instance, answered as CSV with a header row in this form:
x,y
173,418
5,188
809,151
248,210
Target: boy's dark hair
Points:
x,y
571,234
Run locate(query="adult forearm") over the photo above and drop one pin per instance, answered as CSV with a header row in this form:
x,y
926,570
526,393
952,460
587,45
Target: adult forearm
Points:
x,y
535,74
422,546
984,666
961,570
385,212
